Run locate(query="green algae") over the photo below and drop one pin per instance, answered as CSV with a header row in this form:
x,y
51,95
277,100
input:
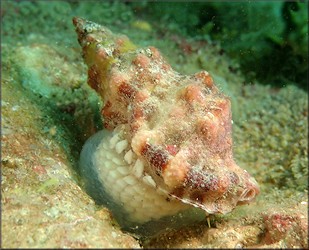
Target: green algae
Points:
x,y
251,32
64,114
48,185
271,135
263,31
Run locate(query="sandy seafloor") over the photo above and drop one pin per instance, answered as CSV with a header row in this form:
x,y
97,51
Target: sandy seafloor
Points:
x,y
48,111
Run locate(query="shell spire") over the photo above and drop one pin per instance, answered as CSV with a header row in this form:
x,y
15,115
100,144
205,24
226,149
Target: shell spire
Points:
x,y
179,126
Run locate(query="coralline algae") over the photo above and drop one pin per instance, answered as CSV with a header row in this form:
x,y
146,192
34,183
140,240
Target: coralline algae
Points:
x,y
167,143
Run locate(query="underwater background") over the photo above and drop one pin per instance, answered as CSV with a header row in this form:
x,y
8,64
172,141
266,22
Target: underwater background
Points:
x,y
257,53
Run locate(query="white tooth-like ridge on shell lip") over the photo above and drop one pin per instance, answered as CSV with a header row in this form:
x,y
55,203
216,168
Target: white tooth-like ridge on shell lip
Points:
x,y
149,181
123,170
138,168
118,161
120,146
113,141
128,157
121,173
129,179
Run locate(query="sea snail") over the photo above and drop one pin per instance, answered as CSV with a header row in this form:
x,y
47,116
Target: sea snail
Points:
x,y
167,143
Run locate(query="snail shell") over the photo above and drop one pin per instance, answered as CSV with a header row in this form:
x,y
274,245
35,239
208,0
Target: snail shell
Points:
x,y
167,143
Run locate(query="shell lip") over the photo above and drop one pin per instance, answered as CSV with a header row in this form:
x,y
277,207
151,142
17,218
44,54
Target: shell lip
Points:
x,y
247,195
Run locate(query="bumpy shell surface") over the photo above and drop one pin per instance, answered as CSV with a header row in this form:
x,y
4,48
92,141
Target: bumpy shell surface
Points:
x,y
178,126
